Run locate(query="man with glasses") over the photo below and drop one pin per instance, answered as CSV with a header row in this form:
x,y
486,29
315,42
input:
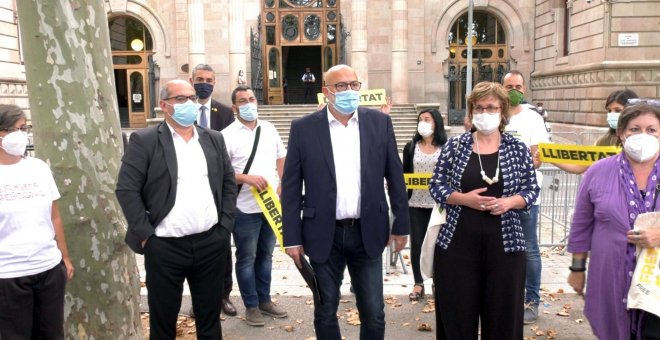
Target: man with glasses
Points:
x,y
217,116
341,154
528,126
177,189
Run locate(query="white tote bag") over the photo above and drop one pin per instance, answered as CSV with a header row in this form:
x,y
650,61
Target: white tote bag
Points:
x,y
438,218
644,290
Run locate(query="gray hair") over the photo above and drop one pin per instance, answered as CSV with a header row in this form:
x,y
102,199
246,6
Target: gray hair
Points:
x,y
9,115
202,67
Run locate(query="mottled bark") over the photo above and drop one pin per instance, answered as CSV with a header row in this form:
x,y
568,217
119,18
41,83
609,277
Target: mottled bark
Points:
x,y
70,78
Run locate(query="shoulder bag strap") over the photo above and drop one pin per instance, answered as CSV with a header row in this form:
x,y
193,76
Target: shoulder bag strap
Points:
x,y
254,151
655,198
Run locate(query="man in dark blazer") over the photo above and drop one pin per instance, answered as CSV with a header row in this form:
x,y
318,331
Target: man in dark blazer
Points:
x,y
221,116
341,155
177,189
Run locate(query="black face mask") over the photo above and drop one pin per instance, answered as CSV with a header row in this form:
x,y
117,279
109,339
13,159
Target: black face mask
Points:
x,y
203,90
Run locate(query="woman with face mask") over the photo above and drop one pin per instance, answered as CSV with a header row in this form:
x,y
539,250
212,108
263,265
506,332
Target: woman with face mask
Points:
x,y
613,192
484,180
34,260
420,156
614,104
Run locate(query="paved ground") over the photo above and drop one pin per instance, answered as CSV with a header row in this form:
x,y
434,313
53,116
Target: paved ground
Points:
x,y
560,314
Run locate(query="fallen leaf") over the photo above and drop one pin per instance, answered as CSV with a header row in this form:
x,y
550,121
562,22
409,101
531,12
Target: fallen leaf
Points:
x,y
406,324
309,302
540,333
563,313
284,277
579,320
551,333
560,291
390,300
546,312
424,327
299,321
344,301
534,328
289,328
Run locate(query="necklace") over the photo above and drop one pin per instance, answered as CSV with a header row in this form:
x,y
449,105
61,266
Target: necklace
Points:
x,y
487,179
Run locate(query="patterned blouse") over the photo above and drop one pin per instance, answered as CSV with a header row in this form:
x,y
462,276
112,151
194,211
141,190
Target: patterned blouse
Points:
x,y
519,178
423,163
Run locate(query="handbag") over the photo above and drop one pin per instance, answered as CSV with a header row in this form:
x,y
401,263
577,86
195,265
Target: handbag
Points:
x,y
438,218
644,292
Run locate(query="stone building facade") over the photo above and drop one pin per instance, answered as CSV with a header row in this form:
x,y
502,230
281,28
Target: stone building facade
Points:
x,y
573,53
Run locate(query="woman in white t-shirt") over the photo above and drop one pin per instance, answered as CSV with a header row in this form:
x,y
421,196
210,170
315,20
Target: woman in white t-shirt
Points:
x,y
420,156
34,260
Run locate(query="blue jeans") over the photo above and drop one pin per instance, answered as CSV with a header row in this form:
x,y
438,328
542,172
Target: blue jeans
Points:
x,y
366,278
254,241
529,222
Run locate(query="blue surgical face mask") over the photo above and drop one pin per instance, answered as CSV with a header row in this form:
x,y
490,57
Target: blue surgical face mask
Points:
x,y
613,119
185,114
248,112
346,102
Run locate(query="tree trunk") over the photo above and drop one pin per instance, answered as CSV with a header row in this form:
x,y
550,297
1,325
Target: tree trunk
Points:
x,y
72,97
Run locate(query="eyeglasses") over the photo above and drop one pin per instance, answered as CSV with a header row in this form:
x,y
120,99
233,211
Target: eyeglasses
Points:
x,y
342,86
489,108
652,102
24,128
182,99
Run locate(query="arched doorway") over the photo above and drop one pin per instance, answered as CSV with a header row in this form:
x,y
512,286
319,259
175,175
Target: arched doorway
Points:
x,y
490,58
134,70
298,34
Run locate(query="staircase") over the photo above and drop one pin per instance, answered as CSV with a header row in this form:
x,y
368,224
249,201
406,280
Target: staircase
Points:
x,y
404,119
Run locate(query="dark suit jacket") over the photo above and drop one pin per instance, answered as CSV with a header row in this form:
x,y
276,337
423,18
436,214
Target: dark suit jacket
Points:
x,y
310,161
221,115
146,187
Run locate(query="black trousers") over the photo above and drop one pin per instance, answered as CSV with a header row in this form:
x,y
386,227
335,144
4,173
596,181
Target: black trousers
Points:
x,y
419,222
228,282
199,258
475,280
32,307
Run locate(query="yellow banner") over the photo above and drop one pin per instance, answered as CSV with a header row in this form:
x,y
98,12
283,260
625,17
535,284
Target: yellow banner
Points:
x,y
574,154
375,97
270,205
417,181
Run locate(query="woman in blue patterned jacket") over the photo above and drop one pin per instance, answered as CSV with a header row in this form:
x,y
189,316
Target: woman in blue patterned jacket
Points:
x,y
484,179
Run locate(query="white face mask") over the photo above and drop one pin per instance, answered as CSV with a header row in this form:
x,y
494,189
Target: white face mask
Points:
x,y
613,119
15,143
641,147
425,129
486,123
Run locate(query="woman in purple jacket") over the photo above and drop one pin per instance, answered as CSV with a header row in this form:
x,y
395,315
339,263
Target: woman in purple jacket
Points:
x,y
614,191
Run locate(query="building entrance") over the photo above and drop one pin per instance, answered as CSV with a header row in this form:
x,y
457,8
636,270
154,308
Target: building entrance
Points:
x,y
490,59
296,34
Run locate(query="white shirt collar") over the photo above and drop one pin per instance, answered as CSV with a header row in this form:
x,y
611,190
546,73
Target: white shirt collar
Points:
x,y
175,134
332,118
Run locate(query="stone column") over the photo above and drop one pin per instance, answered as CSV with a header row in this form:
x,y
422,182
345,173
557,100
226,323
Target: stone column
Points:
x,y
399,51
196,47
359,57
237,47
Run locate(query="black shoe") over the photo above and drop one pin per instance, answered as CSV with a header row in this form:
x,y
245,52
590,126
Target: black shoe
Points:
x,y
228,307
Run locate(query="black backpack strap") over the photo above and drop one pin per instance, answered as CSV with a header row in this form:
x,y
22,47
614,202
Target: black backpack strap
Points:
x,y
252,154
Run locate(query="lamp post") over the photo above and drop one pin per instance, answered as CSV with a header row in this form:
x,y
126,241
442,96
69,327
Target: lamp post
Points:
x,y
468,38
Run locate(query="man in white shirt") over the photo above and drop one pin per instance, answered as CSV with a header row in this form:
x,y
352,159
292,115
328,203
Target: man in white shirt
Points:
x,y
177,190
253,236
308,80
526,124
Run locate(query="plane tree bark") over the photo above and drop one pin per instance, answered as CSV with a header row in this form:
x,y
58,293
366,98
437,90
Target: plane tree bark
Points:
x,y
68,62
